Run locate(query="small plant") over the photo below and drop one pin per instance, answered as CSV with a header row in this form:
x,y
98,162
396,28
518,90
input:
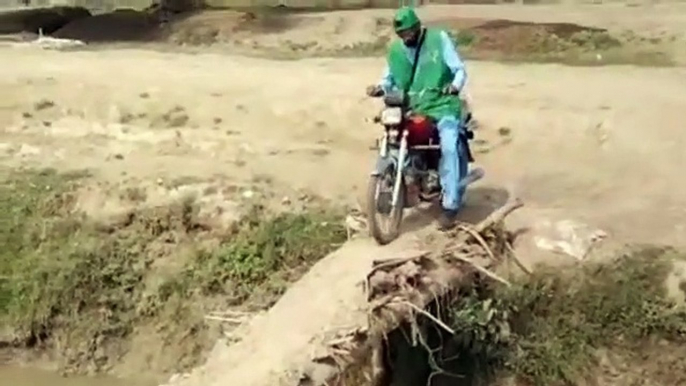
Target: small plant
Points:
x,y
464,38
263,252
547,330
593,40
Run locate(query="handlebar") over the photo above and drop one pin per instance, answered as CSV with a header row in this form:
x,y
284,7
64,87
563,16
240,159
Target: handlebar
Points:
x,y
443,91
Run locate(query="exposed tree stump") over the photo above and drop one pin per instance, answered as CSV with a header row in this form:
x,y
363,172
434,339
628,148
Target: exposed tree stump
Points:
x,y
399,290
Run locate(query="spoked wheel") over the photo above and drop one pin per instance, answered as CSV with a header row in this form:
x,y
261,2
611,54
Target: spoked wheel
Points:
x,y
384,220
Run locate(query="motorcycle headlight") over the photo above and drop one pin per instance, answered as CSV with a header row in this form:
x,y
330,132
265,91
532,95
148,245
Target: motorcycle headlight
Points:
x,y
391,116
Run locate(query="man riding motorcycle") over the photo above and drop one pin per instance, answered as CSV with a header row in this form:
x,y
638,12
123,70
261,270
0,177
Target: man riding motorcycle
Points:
x,y
431,86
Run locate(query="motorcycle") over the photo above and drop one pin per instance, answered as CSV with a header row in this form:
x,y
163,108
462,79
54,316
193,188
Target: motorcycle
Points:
x,y
406,171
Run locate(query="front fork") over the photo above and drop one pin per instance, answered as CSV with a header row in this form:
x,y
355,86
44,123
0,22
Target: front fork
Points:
x,y
402,154
385,160
471,177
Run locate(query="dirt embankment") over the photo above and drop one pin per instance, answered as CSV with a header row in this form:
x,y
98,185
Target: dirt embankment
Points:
x,y
48,20
153,288
611,322
296,35
285,33
100,279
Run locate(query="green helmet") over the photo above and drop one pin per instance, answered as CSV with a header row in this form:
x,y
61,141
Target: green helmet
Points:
x,y
405,18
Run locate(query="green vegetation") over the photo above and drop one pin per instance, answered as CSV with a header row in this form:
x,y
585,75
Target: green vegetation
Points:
x,y
83,288
548,330
534,43
463,39
260,258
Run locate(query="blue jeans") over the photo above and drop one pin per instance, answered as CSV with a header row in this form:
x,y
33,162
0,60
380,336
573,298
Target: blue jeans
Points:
x,y
454,163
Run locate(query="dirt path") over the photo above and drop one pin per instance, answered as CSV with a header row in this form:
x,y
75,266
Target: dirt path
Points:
x,y
143,117
269,355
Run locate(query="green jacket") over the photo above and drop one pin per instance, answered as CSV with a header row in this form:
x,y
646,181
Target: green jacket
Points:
x,y
432,76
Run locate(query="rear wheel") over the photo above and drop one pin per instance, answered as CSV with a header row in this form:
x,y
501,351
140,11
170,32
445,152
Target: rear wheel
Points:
x,y
384,220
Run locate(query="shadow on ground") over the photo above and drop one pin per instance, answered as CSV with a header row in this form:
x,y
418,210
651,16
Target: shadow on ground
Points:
x,y
480,202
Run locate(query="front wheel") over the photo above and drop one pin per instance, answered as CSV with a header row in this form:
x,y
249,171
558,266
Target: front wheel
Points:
x,y
383,219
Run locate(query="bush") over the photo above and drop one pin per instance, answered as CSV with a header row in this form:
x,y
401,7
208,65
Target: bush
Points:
x,y
548,330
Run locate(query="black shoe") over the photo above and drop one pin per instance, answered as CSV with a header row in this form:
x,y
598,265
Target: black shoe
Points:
x,y
447,219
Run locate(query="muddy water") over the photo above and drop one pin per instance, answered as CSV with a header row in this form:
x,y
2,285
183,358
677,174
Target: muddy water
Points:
x,y
16,376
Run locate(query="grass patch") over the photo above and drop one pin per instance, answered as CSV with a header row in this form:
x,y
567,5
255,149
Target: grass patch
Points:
x,y
462,38
257,261
549,330
83,288
560,322
582,49
531,44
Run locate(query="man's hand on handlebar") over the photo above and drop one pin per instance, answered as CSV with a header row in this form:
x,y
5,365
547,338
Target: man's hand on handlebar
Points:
x,y
375,91
451,90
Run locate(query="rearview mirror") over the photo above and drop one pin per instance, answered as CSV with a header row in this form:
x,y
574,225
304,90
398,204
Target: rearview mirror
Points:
x,y
394,99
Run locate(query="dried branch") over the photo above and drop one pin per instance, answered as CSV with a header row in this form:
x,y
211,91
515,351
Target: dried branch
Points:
x,y
499,215
398,290
225,320
513,255
428,315
479,239
483,270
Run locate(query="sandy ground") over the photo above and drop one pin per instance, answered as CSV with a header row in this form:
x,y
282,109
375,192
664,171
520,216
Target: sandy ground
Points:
x,y
354,30
599,145
603,146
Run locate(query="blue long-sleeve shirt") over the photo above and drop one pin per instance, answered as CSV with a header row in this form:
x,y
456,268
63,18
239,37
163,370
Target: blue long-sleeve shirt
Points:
x,y
450,56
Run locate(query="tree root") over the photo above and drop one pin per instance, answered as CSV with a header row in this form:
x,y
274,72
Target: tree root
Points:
x,y
399,290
